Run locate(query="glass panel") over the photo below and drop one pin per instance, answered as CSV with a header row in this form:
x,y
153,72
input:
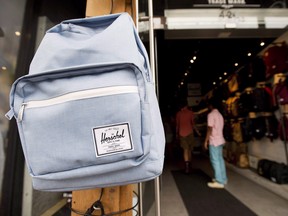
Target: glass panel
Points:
x,y
11,17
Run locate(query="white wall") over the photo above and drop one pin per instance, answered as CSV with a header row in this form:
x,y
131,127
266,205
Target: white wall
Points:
x,y
265,149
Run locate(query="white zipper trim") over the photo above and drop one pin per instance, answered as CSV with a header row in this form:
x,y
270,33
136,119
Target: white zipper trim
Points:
x,y
84,94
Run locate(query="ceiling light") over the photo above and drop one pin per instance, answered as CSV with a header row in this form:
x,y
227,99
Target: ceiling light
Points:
x,y
262,43
225,73
192,61
214,83
182,83
186,74
17,33
4,68
194,57
236,64
220,78
249,54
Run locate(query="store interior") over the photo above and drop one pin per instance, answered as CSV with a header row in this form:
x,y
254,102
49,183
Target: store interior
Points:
x,y
208,62
206,57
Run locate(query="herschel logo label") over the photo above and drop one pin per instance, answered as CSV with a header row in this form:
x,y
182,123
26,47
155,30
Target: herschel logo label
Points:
x,y
112,139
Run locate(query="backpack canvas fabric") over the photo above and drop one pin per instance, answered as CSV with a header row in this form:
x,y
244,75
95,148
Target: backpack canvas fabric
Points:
x,y
87,112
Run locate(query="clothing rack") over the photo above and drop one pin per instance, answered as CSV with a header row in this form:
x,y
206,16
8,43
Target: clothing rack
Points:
x,y
283,130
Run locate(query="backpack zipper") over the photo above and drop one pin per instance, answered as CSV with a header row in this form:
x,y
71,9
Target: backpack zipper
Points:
x,y
80,95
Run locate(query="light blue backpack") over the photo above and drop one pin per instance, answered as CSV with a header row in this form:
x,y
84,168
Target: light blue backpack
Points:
x,y
87,112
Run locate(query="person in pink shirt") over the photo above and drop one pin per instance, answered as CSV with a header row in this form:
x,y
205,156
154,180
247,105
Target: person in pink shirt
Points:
x,y
184,132
215,141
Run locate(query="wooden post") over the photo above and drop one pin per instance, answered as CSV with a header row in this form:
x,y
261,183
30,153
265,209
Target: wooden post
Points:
x,y
103,7
114,199
117,198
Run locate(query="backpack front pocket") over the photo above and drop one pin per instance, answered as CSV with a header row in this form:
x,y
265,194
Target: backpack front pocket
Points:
x,y
73,119
63,133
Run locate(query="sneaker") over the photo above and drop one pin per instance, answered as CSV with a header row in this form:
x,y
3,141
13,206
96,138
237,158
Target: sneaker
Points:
x,y
214,180
215,185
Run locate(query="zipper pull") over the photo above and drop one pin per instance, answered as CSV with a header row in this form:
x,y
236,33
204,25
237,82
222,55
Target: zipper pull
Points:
x,y
9,115
21,112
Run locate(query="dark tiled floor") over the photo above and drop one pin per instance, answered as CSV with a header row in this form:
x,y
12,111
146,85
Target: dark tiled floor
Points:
x,y
263,197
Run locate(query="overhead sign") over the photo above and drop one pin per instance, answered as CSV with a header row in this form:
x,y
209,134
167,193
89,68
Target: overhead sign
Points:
x,y
212,19
226,3
194,89
188,4
193,101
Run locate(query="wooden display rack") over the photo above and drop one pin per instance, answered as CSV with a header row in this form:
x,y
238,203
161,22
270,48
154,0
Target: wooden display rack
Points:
x,y
117,198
